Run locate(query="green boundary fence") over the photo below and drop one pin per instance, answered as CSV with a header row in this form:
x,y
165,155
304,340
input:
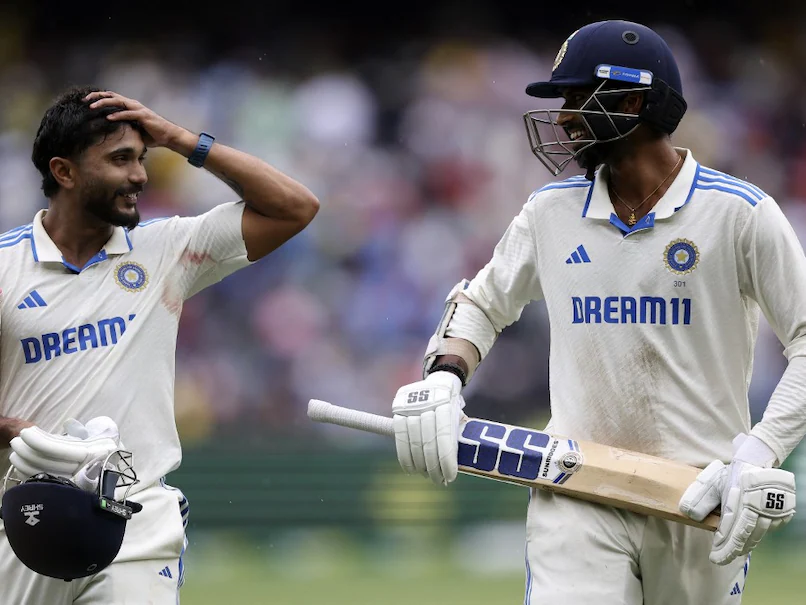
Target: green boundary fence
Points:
x,y
238,486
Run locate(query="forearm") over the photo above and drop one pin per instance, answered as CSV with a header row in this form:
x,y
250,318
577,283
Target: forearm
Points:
x,y
263,188
10,428
784,422
452,359
466,348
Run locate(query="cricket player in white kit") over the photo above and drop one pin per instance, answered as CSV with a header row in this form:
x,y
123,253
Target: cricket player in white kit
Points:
x,y
653,269
90,311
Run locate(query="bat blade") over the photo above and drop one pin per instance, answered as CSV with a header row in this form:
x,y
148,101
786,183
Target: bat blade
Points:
x,y
585,470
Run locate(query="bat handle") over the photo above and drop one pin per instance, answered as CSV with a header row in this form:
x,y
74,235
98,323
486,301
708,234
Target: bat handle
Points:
x,y
322,411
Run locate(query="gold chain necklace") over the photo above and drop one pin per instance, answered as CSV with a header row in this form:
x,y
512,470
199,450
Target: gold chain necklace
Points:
x,y
632,220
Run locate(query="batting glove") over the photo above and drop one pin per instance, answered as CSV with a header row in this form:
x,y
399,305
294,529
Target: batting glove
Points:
x,y
426,421
754,498
37,451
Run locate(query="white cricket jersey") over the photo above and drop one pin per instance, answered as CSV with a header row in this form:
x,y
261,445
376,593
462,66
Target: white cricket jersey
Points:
x,y
101,340
653,327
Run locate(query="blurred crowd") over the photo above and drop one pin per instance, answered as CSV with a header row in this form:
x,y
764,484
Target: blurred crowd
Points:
x,y
420,159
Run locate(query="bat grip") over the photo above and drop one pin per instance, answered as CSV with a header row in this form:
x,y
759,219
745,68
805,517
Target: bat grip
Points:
x,y
322,411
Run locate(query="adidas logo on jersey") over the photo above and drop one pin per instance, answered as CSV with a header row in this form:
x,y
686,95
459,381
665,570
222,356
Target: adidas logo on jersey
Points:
x,y
578,256
32,301
736,589
166,573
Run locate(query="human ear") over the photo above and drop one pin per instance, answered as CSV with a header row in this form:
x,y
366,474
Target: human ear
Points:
x,y
64,171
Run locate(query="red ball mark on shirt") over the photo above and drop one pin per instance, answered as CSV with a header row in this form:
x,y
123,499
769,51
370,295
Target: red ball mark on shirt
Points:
x,y
191,257
171,298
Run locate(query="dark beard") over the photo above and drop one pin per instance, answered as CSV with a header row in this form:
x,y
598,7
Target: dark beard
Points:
x,y
616,137
590,159
100,202
598,154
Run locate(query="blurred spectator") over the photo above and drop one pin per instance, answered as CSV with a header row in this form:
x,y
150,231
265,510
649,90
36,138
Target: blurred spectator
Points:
x,y
420,160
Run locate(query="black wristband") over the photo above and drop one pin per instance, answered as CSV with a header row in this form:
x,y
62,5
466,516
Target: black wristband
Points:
x,y
453,368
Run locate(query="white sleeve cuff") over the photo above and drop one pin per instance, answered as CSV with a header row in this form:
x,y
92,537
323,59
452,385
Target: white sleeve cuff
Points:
x,y
754,451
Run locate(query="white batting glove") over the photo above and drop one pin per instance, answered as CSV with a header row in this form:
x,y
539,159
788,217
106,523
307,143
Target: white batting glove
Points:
x,y
426,420
89,475
755,498
37,451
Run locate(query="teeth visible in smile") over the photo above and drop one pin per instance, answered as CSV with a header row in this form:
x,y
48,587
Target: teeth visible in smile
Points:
x,y
576,134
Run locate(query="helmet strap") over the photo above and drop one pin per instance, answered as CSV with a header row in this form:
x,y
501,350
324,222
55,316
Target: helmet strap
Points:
x,y
663,107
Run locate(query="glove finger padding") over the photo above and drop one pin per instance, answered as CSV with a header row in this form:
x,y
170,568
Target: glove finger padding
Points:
x,y
758,531
429,425
61,455
728,542
26,458
416,442
705,494
55,447
402,444
25,468
448,441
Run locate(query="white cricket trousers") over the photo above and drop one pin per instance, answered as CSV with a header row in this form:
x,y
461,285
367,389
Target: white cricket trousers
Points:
x,y
580,553
147,571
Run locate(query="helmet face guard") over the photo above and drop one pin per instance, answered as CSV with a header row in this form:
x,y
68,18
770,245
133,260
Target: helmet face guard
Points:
x,y
551,142
62,531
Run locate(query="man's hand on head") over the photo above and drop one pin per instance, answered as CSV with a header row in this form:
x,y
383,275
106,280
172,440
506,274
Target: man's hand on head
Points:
x,y
160,131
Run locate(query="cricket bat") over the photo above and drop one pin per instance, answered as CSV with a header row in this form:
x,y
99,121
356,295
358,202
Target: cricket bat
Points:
x,y
585,470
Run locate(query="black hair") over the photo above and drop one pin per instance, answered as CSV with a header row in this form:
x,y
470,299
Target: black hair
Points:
x,y
68,128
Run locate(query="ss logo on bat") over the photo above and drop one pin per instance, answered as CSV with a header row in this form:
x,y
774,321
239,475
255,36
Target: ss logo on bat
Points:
x,y
513,452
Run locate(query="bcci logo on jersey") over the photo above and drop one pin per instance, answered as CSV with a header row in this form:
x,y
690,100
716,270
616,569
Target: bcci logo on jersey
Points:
x,y
131,276
681,256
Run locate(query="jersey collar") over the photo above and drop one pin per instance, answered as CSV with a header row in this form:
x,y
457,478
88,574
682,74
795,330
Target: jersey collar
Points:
x,y
46,251
677,195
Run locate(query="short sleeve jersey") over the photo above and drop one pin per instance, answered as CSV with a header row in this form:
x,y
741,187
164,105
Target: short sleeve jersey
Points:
x,y
101,339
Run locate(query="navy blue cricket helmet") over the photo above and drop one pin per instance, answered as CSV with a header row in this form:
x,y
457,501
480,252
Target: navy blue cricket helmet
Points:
x,y
59,530
608,60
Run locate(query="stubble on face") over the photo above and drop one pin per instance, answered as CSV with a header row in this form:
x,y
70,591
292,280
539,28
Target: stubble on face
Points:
x,y
114,177
110,203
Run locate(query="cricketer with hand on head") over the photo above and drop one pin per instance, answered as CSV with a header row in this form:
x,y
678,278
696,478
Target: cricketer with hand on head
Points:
x,y
91,301
653,268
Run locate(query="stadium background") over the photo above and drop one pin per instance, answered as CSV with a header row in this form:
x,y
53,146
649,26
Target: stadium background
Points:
x,y
405,120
